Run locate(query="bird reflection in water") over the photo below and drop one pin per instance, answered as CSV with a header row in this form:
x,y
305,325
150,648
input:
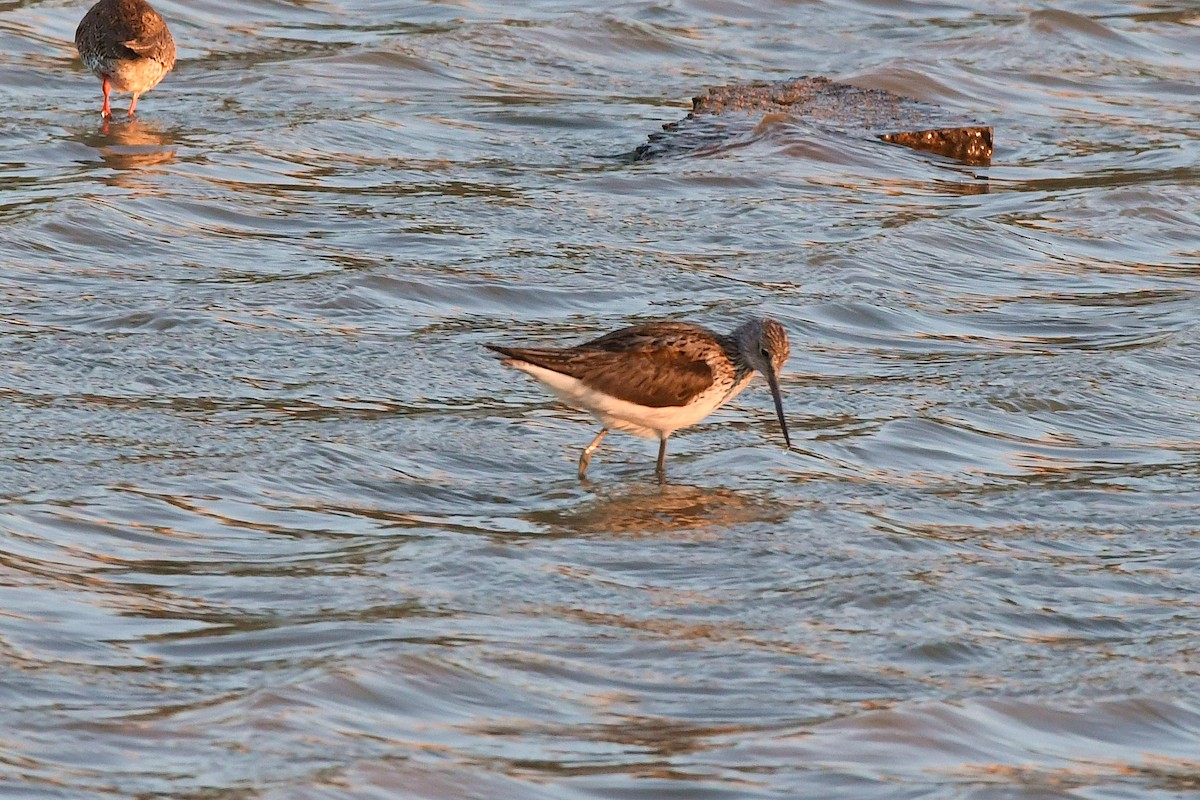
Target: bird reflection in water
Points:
x,y
132,144
654,510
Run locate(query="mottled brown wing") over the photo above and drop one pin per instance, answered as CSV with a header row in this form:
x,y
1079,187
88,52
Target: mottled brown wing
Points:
x,y
125,29
647,373
654,376
146,34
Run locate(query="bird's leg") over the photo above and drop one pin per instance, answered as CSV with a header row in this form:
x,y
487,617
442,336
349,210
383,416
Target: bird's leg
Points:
x,y
133,104
587,453
106,87
662,456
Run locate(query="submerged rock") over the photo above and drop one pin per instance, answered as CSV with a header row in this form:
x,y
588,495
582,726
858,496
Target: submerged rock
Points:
x,y
721,113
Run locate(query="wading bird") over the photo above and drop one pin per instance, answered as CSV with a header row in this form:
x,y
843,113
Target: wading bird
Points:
x,y
653,379
128,47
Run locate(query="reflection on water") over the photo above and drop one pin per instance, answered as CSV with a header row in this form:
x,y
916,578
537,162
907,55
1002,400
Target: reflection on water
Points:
x,y
656,510
274,525
127,144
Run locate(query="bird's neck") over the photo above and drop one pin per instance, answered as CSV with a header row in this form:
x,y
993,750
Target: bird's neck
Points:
x,y
741,367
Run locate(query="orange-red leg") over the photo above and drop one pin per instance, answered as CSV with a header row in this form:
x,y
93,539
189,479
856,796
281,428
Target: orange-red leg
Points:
x,y
106,110
133,104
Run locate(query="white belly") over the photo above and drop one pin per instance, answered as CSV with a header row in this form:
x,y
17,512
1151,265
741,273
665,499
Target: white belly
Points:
x,y
136,75
647,421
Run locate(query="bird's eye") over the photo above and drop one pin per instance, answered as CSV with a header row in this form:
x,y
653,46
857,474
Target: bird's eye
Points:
x,y
762,351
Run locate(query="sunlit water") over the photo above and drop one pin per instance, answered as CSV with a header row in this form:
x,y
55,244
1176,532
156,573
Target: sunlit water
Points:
x,y
275,525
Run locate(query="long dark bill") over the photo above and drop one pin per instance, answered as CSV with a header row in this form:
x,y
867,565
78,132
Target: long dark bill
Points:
x,y
773,382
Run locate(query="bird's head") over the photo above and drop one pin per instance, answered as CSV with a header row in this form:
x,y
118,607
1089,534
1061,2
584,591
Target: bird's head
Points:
x,y
763,343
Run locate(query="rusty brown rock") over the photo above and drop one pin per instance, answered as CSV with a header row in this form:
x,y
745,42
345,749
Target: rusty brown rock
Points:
x,y
721,113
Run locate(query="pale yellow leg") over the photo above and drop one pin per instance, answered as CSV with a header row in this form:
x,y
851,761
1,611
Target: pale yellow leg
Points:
x,y
587,453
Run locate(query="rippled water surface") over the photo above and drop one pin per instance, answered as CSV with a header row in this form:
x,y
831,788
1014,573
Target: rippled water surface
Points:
x,y
275,525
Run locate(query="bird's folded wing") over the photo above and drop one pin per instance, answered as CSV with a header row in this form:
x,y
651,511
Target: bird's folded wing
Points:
x,y
649,376
146,35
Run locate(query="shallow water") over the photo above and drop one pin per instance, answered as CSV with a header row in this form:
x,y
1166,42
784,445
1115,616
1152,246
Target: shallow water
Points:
x,y
276,526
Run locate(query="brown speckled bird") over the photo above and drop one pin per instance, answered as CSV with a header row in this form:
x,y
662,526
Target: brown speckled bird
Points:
x,y
127,45
653,379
